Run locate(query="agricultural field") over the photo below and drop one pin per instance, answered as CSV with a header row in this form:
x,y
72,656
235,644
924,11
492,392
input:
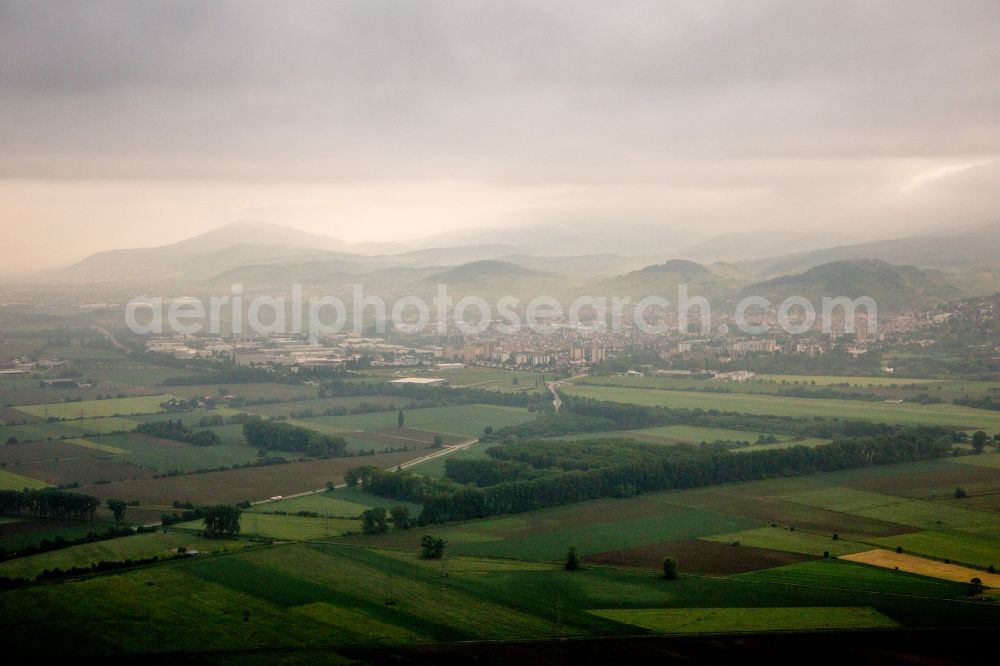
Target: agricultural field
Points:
x,y
12,481
290,597
883,412
266,391
793,541
286,528
464,421
866,388
339,503
154,544
757,556
712,620
33,432
489,379
916,513
250,483
17,533
92,409
888,559
318,406
976,550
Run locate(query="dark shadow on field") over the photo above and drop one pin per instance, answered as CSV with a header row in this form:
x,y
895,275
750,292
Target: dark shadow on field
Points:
x,y
940,647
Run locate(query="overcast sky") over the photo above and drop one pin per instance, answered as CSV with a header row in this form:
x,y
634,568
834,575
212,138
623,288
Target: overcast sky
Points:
x,y
140,123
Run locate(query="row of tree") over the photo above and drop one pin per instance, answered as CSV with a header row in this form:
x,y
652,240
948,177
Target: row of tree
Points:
x,y
584,470
48,503
177,431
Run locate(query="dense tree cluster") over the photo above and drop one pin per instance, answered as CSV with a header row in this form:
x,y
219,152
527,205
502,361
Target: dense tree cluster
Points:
x,y
49,503
177,431
432,548
221,520
287,437
488,472
575,471
373,521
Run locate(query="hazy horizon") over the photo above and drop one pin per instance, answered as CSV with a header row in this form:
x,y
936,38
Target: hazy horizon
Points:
x,y
131,125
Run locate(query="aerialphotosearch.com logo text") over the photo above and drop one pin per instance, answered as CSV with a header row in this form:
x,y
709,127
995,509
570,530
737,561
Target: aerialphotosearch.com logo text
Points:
x,y
318,316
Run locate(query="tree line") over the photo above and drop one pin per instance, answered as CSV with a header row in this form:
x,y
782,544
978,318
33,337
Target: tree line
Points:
x,y
177,431
591,469
49,503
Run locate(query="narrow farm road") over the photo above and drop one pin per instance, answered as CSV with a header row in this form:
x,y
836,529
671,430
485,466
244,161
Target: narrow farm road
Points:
x,y
443,451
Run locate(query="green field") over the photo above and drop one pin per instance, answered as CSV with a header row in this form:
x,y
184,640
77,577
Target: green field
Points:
x,y
855,380
340,503
490,379
296,596
156,544
465,421
977,550
520,537
267,390
29,531
33,432
883,412
901,510
318,405
291,528
97,408
12,481
711,620
797,541
95,446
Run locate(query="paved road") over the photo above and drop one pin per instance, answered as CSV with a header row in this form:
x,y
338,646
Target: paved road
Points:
x,y
443,451
553,386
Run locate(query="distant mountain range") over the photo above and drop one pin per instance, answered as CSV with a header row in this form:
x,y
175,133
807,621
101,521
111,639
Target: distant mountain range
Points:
x,y
892,287
571,239
626,260
209,253
965,248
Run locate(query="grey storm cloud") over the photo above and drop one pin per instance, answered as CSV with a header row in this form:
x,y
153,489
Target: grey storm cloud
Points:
x,y
540,91
148,121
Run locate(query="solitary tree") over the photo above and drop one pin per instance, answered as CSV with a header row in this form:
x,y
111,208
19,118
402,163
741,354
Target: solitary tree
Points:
x,y
960,492
12,440
572,560
438,441
432,548
373,521
979,439
400,517
669,568
399,419
118,508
